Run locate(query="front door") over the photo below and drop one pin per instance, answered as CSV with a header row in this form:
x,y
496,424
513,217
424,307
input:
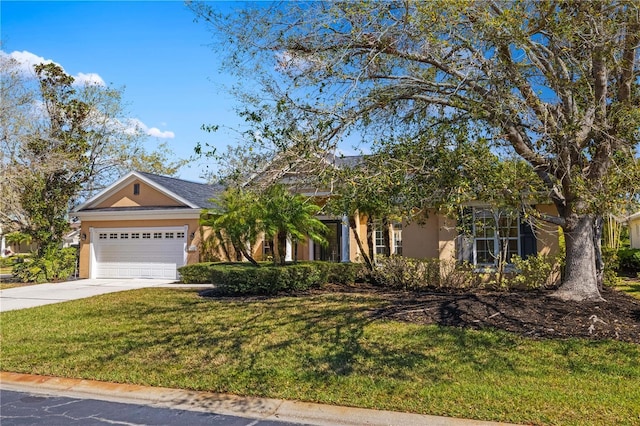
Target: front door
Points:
x,y
331,252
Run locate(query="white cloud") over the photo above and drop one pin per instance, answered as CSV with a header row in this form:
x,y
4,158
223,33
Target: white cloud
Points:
x,y
28,60
155,132
91,78
134,125
131,126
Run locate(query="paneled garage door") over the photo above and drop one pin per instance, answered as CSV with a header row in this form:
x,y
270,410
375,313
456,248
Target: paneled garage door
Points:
x,y
138,252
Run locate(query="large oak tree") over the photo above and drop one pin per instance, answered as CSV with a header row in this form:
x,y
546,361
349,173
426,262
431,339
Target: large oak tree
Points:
x,y
555,82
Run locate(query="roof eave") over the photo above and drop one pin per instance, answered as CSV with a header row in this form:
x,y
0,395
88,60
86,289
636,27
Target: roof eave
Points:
x,y
155,214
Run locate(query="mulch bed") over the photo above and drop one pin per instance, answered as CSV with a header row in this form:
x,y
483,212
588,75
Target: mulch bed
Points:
x,y
534,314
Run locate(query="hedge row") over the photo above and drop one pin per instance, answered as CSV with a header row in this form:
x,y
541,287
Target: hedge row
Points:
x,y
244,278
629,259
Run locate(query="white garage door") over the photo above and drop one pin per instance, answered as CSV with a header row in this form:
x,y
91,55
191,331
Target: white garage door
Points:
x,y
139,252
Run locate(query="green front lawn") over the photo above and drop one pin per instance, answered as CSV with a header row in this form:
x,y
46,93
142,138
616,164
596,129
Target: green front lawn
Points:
x,y
630,286
325,348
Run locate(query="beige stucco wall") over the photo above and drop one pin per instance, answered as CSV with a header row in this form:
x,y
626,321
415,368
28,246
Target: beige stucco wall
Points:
x,y
192,224
148,196
435,236
634,232
547,234
421,240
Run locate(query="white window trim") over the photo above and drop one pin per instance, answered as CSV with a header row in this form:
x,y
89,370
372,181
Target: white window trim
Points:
x,y
394,231
496,238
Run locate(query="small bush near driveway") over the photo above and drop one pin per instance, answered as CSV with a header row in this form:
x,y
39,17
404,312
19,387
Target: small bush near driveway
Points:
x,y
56,264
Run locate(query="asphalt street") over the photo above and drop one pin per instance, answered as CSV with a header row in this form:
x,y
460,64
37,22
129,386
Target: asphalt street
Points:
x,y
25,408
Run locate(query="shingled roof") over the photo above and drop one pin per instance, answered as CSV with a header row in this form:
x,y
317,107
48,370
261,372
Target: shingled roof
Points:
x,y
194,192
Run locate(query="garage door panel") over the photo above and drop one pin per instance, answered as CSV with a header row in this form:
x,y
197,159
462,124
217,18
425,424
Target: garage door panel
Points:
x,y
126,253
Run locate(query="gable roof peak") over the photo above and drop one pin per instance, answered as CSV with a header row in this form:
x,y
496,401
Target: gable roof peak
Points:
x,y
193,194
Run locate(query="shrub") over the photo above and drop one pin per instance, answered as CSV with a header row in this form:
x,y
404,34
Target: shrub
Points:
x,y
533,272
416,274
611,260
6,262
55,264
629,259
198,273
244,279
406,273
454,274
344,273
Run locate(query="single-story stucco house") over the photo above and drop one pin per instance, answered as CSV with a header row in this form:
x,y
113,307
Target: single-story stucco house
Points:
x,y
147,226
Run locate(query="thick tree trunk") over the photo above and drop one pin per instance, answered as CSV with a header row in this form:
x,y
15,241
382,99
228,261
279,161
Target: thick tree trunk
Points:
x,y
580,279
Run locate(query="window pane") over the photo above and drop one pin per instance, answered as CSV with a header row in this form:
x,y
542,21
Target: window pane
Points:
x,y
379,242
513,249
484,251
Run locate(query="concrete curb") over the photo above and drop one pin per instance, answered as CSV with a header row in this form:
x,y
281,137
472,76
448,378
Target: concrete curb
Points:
x,y
251,407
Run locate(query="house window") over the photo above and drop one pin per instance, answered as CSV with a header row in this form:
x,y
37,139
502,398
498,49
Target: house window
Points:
x,y
267,250
136,189
379,242
496,236
157,235
180,235
135,235
146,235
113,236
397,239
168,235
102,236
124,236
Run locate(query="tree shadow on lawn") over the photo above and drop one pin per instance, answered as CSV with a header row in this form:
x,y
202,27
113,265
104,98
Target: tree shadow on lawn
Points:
x,y
341,335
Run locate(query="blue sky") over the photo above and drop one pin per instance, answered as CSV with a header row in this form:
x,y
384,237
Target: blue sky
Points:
x,y
154,49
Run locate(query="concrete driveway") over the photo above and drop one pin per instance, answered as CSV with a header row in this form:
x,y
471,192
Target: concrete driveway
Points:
x,y
45,294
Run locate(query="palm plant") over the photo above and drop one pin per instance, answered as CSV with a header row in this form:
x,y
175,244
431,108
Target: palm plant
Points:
x,y
237,217
290,215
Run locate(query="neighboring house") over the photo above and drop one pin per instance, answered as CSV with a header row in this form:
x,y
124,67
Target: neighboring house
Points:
x,y
4,251
12,248
634,230
142,226
72,238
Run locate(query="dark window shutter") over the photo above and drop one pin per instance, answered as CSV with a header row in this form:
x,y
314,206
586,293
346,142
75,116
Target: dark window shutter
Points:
x,y
464,240
528,242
